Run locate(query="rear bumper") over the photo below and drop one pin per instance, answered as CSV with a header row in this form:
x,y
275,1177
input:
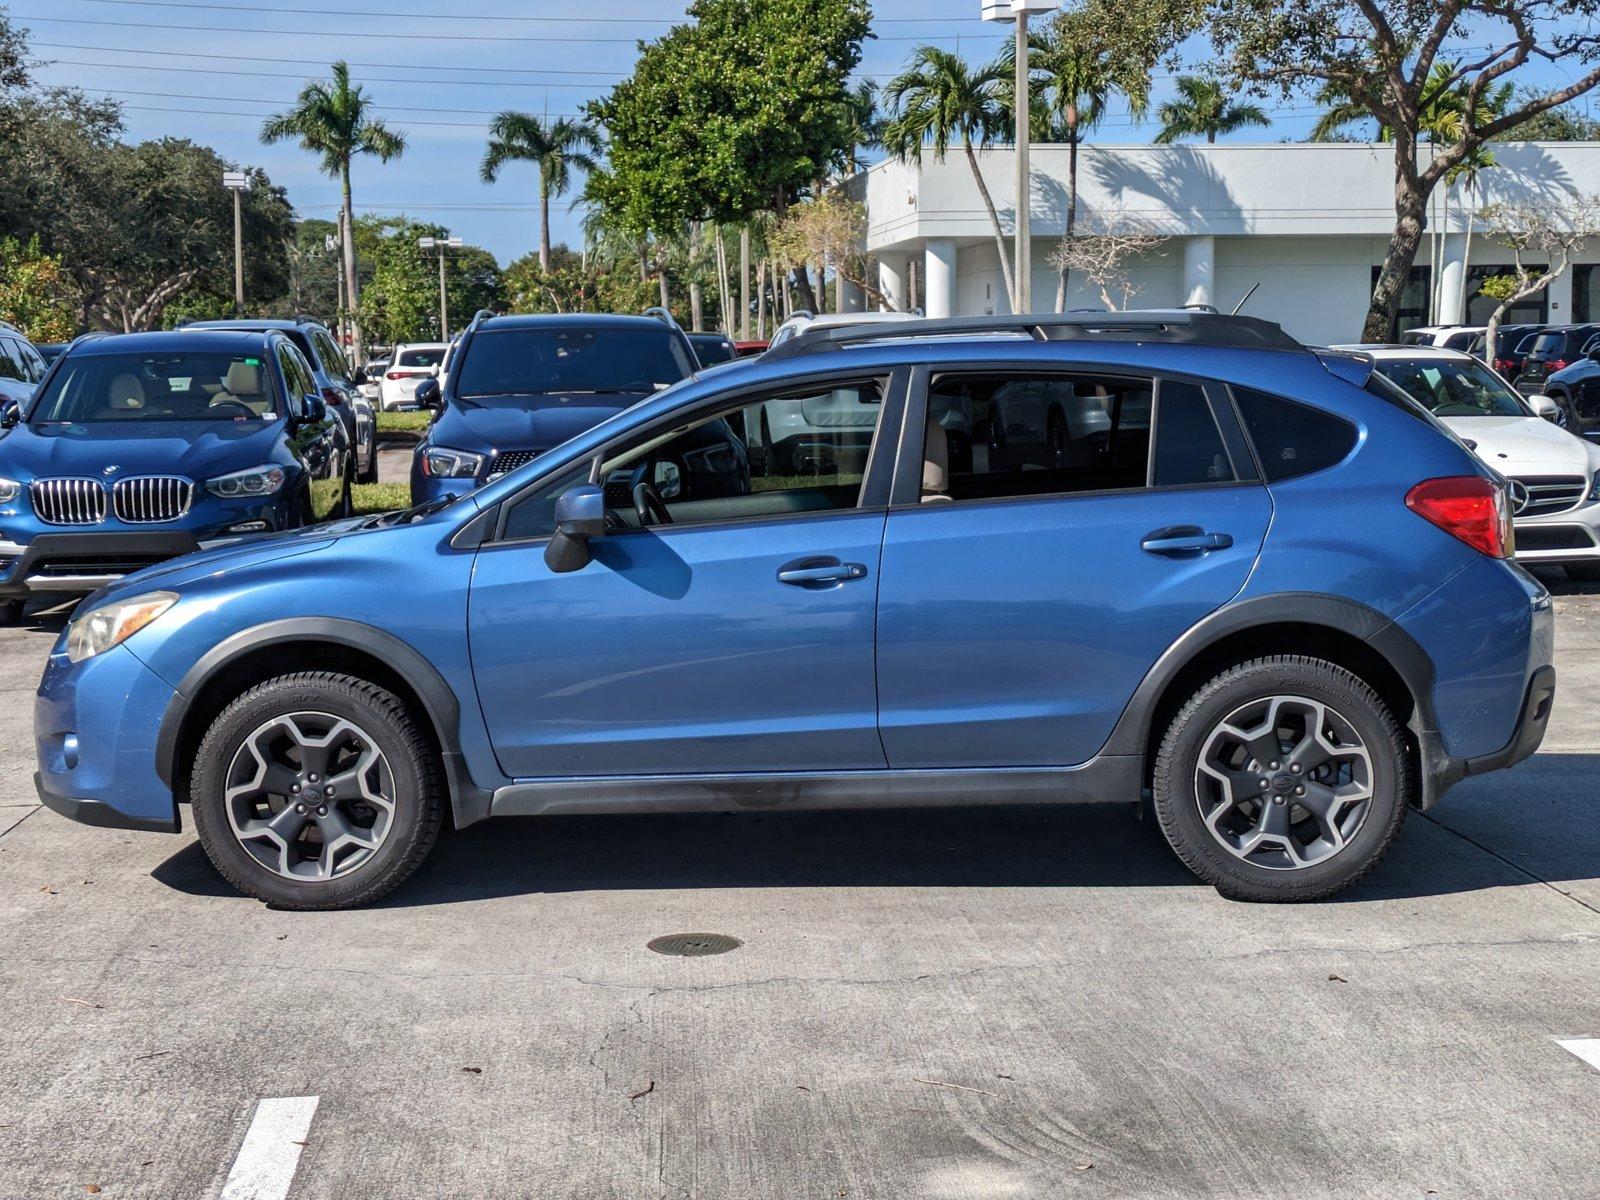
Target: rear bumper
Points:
x,y
1442,771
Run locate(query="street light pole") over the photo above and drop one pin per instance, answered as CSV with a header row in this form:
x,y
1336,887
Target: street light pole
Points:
x,y
1018,11
238,183
441,244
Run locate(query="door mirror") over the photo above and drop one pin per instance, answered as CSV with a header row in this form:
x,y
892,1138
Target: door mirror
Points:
x,y
359,375
10,413
667,480
1594,354
1544,407
313,409
428,394
580,515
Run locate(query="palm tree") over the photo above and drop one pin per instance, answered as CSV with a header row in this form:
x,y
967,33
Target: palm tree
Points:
x,y
334,120
555,148
1202,109
937,99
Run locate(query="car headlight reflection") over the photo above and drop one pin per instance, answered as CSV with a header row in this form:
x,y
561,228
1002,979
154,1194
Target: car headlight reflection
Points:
x,y
98,630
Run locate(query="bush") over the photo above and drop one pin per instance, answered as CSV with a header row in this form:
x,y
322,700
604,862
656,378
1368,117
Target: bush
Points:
x,y
372,498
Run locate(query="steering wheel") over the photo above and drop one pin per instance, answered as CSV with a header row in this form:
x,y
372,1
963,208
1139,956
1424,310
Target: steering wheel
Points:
x,y
230,403
648,504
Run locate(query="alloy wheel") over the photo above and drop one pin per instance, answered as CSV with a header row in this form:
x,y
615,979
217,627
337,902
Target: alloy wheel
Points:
x,y
1284,782
310,796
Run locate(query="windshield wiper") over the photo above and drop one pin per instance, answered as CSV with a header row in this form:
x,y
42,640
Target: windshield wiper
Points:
x,y
405,516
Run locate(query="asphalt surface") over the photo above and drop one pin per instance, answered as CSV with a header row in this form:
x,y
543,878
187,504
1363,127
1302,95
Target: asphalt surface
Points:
x,y
942,1004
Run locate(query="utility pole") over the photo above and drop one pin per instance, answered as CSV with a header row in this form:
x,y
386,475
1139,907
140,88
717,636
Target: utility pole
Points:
x,y
441,245
238,183
1018,11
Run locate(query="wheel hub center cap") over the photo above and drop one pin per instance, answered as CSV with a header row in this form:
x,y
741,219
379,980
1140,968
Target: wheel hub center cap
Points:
x,y
1283,783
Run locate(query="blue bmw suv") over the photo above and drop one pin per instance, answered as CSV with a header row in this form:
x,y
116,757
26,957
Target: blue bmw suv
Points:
x,y
1262,585
146,446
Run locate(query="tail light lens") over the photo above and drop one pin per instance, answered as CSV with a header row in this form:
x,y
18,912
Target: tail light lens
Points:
x,y
333,396
397,375
1467,507
1503,365
1557,364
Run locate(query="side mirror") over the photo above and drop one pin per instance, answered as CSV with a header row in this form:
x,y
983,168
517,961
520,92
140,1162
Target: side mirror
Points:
x,y
580,515
10,413
1544,407
428,394
359,375
315,409
1594,355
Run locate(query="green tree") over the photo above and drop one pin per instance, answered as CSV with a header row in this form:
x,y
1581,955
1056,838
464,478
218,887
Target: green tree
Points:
x,y
1563,124
576,283
400,301
36,294
938,99
554,148
1381,54
334,120
1203,109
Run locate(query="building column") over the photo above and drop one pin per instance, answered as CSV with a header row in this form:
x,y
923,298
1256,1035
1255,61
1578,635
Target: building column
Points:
x,y
892,280
1199,270
939,277
851,299
1450,279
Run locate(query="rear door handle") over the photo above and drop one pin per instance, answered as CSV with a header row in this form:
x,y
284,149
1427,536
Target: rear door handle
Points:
x,y
1184,541
819,572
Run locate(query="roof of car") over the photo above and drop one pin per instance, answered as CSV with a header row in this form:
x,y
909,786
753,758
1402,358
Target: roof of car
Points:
x,y
1383,351
824,320
173,341
248,323
568,320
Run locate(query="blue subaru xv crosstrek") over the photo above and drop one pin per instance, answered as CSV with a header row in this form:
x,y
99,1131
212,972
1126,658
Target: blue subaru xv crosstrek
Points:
x,y
143,447
1255,580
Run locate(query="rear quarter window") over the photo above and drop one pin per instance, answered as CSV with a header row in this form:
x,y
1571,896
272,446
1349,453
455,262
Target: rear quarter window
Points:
x,y
1292,439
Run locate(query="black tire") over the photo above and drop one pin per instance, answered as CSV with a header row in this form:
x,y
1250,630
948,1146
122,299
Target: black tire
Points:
x,y
347,503
369,473
10,611
1178,804
412,765
1588,572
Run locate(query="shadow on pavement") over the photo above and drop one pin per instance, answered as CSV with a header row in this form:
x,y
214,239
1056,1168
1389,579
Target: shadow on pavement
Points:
x,y
1497,831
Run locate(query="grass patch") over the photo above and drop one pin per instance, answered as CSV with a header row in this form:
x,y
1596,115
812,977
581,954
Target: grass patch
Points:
x,y
371,498
403,422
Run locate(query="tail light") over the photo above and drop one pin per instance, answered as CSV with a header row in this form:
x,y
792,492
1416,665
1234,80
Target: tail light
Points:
x,y
1468,507
398,375
1557,364
333,396
1503,365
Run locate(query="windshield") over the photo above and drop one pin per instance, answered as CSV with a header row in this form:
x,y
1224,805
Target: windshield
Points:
x,y
531,361
158,387
426,356
1453,388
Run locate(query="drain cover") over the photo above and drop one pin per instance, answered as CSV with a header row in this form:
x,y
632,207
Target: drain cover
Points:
x,y
693,944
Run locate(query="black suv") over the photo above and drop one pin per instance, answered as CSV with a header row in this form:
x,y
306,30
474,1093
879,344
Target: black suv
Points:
x,y
1554,349
339,382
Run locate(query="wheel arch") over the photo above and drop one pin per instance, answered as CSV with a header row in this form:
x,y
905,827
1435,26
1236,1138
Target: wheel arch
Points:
x,y
283,647
1344,632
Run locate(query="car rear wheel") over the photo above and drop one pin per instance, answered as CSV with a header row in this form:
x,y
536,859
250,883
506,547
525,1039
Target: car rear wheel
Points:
x,y
316,790
1284,778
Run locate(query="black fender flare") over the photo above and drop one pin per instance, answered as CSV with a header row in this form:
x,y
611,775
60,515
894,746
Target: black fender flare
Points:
x,y
468,802
1409,661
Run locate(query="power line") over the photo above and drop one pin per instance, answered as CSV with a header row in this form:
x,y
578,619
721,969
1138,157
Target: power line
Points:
x,y
472,112
301,62
404,37
234,73
454,16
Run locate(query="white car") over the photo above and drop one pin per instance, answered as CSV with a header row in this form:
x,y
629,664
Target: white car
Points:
x,y
802,321
371,385
1444,337
409,366
1554,477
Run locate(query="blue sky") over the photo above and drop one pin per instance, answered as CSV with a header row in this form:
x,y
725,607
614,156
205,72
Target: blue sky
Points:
x,y
210,70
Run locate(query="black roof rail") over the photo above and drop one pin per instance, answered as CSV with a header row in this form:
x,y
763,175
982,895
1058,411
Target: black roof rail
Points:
x,y
482,315
661,314
1184,326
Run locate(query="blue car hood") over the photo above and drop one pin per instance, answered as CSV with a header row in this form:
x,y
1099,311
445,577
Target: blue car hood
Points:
x,y
534,423
198,449
176,572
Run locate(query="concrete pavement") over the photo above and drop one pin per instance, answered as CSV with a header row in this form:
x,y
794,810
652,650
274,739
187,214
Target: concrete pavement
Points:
x,y
1023,1003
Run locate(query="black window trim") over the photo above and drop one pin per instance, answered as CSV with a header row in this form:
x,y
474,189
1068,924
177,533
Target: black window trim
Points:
x,y
907,492
873,497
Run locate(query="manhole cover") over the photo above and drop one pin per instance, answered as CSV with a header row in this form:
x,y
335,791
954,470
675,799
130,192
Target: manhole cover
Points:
x,y
693,943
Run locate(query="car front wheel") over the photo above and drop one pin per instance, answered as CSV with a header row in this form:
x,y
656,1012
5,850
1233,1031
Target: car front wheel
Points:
x,y
1284,778
316,790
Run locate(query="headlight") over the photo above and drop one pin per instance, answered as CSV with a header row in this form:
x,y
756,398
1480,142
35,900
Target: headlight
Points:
x,y
10,489
253,481
441,462
97,631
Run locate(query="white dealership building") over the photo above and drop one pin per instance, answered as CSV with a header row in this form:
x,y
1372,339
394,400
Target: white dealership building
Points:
x,y
1305,224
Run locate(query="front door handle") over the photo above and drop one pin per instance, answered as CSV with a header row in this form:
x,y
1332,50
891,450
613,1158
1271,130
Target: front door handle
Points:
x,y
1184,541
820,572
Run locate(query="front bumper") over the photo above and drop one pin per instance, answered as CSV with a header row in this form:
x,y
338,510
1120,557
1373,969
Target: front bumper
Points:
x,y
99,813
78,563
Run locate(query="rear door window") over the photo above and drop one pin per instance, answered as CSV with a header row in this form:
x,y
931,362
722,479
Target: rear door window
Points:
x,y
1189,446
1292,439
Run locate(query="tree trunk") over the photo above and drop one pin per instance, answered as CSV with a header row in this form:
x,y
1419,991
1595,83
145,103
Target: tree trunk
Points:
x,y
696,320
744,283
1466,267
1072,199
1409,205
544,227
661,281
761,304
802,286
724,299
994,221
358,349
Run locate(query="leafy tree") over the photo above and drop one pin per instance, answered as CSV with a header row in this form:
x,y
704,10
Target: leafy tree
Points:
x,y
13,57
36,294
574,283
554,148
1548,232
1563,124
1381,54
1203,109
334,121
939,99
830,228
313,272
400,301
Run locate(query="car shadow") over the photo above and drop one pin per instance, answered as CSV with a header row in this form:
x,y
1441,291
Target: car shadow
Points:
x,y
1497,831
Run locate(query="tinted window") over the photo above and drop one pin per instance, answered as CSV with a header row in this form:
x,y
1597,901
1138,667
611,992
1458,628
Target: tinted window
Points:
x,y
1292,439
1459,341
1450,388
1548,343
713,348
1031,435
425,357
575,359
297,373
11,361
1189,446
170,387
332,357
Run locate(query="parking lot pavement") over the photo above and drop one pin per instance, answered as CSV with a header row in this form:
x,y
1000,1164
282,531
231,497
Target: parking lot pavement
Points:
x,y
1018,1003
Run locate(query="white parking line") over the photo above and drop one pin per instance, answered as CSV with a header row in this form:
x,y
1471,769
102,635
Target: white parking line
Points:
x,y
271,1151
1587,1049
